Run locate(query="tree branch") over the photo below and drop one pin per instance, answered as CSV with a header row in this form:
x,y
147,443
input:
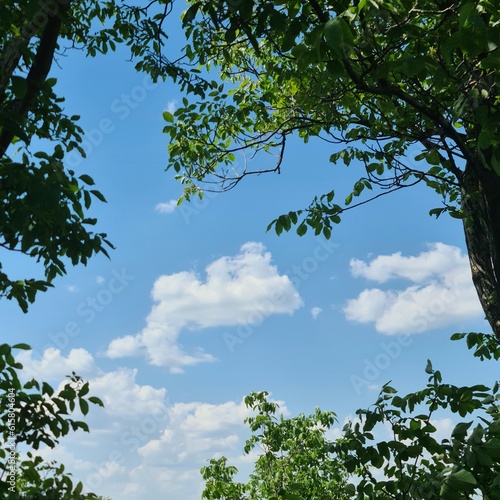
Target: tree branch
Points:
x,y
386,89
317,9
39,69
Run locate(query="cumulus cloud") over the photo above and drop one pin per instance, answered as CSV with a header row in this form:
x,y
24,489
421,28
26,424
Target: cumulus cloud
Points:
x,y
315,312
441,292
118,389
122,396
166,208
194,433
190,435
444,428
52,365
234,291
140,444
438,260
195,429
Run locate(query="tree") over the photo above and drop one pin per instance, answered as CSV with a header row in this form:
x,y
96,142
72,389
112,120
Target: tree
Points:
x,y
376,79
43,203
33,413
294,463
297,461
414,463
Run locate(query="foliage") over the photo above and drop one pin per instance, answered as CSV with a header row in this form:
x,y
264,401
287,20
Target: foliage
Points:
x,y
485,346
43,201
406,91
33,413
414,464
411,464
350,73
294,458
39,480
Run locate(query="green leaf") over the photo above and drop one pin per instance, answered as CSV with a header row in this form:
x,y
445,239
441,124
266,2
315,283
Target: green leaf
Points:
x,y
338,36
87,179
460,430
78,489
461,481
84,406
96,401
428,367
24,347
47,389
190,14
84,390
302,229
98,195
168,117
492,447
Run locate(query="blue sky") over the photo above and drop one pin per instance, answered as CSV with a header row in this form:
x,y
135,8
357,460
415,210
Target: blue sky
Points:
x,y
198,305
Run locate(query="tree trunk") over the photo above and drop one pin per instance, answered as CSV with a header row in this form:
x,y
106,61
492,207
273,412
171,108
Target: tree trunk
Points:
x,y
48,21
481,205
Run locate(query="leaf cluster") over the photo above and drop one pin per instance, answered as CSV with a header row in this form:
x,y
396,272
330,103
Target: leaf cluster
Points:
x,y
34,414
407,91
297,460
294,459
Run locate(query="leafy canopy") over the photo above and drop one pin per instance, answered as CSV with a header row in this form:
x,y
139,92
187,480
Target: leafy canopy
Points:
x,y
296,459
376,79
43,200
34,414
405,91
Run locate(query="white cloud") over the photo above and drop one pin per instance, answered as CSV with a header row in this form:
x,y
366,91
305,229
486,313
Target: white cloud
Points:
x,y
166,208
171,106
118,389
235,290
438,260
315,312
444,428
191,434
140,445
53,366
72,288
122,396
100,280
441,292
334,433
195,430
